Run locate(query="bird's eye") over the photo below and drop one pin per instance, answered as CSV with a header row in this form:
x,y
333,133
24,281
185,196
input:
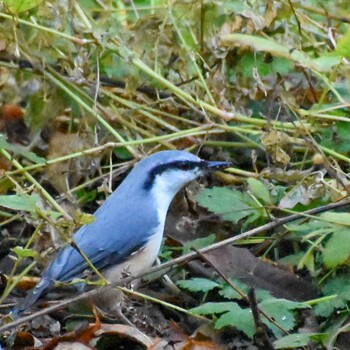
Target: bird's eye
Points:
x,y
182,166
185,166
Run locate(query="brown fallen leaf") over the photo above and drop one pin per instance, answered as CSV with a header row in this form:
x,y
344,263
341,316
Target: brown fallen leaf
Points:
x,y
67,174
242,264
125,331
81,336
24,340
197,341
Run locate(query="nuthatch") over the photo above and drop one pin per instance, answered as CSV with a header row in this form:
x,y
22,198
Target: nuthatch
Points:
x,y
127,232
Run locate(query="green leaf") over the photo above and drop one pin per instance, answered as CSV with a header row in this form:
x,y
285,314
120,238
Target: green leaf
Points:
x,y
20,151
337,137
198,243
248,62
328,62
24,253
122,153
326,308
292,341
198,285
339,284
17,6
83,219
212,308
241,319
229,293
259,190
292,259
268,45
338,289
307,228
231,205
337,249
336,218
343,45
281,310
21,202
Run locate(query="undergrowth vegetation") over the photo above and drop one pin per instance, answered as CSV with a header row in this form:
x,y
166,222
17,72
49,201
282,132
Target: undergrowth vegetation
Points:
x,y
89,87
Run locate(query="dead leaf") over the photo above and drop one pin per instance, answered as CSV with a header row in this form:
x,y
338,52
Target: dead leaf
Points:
x,y
126,332
270,13
276,143
242,264
302,194
89,333
24,340
197,341
67,174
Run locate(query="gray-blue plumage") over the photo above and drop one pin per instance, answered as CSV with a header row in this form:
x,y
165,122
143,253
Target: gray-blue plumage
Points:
x,y
128,227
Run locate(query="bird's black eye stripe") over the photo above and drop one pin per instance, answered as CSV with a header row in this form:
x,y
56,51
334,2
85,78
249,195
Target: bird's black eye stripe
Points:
x,y
179,164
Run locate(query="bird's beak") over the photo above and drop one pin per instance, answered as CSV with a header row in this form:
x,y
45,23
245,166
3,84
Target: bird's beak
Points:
x,y
217,165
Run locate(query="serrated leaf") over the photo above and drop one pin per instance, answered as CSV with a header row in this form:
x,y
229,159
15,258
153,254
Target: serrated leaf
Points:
x,y
241,319
229,293
259,190
198,243
326,308
21,202
281,310
337,249
212,308
339,284
231,205
292,341
338,289
198,284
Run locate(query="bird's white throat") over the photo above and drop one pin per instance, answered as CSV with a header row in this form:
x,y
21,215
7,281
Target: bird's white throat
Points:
x,y
166,186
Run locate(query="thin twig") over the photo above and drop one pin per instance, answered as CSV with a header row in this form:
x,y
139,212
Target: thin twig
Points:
x,y
260,327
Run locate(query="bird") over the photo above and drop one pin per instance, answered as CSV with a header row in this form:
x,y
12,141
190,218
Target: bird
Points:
x,y
127,231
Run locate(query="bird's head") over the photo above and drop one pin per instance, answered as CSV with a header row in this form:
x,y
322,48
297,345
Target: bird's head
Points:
x,y
169,171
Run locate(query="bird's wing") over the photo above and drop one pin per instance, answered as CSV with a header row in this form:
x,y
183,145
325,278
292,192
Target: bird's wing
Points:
x,y
110,239
69,263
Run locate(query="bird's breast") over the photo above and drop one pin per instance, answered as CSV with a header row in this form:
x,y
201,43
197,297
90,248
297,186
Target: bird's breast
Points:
x,y
139,261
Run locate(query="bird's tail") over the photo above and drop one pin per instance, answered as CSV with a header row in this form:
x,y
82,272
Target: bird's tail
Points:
x,y
32,296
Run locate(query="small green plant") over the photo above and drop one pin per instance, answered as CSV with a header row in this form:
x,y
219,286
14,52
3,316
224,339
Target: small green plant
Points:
x,y
235,312
321,246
